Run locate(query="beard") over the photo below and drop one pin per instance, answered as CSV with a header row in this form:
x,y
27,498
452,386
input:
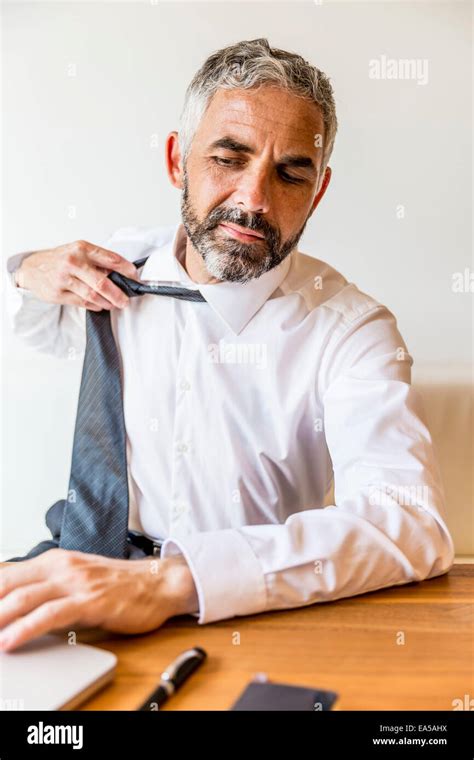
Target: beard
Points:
x,y
228,259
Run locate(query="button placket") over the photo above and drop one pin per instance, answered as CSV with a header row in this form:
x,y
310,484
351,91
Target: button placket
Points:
x,y
182,443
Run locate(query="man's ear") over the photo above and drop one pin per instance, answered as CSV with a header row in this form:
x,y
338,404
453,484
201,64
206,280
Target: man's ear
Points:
x,y
323,188
173,160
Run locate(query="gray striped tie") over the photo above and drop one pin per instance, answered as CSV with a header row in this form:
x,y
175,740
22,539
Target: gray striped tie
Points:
x,y
96,515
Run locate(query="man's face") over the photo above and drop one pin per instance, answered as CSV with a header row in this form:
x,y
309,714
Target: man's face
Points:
x,y
253,163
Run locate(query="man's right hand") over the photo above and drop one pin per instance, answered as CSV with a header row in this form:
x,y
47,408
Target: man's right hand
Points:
x,y
76,274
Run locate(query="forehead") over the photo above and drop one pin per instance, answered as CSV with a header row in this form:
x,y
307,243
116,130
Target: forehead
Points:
x,y
266,113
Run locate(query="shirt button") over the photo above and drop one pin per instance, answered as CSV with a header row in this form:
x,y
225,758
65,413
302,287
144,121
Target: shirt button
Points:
x,y
184,385
181,448
178,509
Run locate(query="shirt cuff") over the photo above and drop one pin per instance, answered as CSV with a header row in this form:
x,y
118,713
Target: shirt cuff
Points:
x,y
227,574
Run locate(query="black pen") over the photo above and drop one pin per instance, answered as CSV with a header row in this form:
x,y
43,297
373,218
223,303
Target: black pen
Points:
x,y
174,676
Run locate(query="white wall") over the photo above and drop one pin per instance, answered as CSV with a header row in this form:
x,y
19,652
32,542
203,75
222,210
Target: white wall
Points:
x,y
84,143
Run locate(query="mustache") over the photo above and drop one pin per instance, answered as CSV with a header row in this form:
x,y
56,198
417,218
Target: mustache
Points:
x,y
254,223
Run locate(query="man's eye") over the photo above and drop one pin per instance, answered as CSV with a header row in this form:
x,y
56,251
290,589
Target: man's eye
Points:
x,y
226,161
289,178
235,162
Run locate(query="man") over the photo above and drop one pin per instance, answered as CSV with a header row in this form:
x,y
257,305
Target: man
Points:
x,y
238,409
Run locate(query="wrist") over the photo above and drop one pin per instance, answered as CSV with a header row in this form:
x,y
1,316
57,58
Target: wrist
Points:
x,y
28,262
18,277
20,273
180,588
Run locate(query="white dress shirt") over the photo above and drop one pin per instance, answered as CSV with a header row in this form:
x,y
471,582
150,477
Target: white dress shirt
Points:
x,y
239,411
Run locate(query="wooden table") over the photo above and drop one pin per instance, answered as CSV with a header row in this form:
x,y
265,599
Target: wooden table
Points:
x,y
352,646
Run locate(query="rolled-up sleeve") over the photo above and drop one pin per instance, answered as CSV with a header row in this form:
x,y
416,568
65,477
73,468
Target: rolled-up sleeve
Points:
x,y
387,524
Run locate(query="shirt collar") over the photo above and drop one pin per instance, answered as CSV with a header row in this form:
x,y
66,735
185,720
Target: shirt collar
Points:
x,y
235,302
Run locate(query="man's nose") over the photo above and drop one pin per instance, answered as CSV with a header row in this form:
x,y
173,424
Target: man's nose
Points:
x,y
253,192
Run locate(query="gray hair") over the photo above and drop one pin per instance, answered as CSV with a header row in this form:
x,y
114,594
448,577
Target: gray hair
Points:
x,y
248,65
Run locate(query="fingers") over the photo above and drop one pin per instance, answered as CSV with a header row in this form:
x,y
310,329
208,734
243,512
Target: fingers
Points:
x,y
97,282
24,599
86,294
53,590
113,261
55,613
15,574
90,265
70,299
40,568
92,285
